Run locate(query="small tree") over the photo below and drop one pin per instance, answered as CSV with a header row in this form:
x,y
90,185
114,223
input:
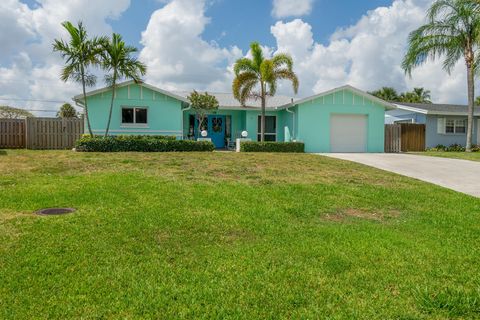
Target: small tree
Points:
x,y
202,104
7,112
67,111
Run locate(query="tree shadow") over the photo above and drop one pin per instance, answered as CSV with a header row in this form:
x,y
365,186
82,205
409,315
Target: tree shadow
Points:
x,y
3,152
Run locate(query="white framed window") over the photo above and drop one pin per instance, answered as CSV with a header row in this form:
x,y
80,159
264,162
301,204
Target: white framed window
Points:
x,y
270,128
460,126
451,126
134,116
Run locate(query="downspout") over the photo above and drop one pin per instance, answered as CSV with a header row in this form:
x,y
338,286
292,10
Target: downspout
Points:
x,y
188,107
293,115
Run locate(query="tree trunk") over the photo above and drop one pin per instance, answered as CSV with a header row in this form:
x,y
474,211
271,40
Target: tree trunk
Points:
x,y
114,84
262,118
85,103
471,103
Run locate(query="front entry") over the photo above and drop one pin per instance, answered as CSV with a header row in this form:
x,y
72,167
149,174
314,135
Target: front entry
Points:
x,y
216,130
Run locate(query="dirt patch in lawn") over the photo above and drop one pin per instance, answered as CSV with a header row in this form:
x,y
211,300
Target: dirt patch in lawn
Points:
x,y
343,215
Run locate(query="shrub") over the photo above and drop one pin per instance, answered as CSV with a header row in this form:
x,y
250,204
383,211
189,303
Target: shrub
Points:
x,y
140,144
133,137
453,148
253,146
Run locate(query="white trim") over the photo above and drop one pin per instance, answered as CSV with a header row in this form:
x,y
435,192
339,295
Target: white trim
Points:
x,y
413,109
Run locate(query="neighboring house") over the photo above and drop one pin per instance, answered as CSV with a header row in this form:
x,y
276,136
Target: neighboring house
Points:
x,y
344,119
445,124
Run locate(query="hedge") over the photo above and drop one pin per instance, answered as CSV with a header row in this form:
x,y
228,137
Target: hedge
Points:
x,y
140,144
135,137
453,148
253,146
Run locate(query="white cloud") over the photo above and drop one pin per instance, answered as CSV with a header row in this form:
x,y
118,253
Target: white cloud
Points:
x,y
28,68
367,54
291,8
176,55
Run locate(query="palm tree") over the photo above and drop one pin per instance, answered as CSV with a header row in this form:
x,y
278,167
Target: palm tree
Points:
x,y
257,78
386,93
418,95
118,62
79,53
452,31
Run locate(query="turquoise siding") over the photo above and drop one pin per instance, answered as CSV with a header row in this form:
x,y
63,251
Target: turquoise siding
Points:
x,y
314,119
164,112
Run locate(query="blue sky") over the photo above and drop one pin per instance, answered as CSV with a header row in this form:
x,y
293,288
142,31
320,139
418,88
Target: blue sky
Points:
x,y
192,44
237,22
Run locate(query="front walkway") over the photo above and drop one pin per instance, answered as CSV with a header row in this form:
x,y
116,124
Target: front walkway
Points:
x,y
459,175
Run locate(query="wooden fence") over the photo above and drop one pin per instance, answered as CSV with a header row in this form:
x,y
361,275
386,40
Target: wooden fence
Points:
x,y
393,138
404,137
40,133
12,133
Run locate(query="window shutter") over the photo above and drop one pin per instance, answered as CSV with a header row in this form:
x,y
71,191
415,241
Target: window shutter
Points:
x,y
441,125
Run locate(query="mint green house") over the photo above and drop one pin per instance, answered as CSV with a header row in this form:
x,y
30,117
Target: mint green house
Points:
x,y
344,119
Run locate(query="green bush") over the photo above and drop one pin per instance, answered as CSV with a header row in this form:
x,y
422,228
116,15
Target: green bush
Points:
x,y
140,144
453,148
134,137
253,146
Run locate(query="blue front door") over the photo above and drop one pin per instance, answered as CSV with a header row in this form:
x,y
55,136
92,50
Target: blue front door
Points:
x,y
216,130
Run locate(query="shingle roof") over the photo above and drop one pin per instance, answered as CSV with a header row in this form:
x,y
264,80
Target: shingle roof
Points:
x,y
434,108
227,100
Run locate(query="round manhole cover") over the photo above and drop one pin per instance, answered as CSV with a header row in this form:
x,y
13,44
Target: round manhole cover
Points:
x,y
54,211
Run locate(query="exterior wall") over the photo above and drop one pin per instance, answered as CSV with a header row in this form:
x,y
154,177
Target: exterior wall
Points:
x,y
432,138
164,115
314,120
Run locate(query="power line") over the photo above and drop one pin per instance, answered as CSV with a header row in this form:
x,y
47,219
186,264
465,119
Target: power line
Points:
x,y
33,100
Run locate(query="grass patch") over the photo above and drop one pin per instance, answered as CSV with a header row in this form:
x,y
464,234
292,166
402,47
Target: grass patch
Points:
x,y
473,156
225,235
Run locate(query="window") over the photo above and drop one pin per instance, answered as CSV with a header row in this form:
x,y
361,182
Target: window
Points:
x,y
460,126
453,126
450,126
134,115
270,128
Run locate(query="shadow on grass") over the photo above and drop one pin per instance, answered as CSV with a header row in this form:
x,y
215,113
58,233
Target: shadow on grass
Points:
x,y
3,152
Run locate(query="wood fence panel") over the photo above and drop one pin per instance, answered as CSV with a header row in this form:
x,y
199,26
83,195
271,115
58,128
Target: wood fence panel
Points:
x,y
393,137
12,133
413,137
53,133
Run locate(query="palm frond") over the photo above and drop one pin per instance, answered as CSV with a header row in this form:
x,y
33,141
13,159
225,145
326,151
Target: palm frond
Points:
x,y
286,74
280,60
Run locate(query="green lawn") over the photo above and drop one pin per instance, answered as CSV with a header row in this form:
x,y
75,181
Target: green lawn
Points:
x,y
474,156
225,235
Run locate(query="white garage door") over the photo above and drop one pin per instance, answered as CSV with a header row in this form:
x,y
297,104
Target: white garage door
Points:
x,y
348,133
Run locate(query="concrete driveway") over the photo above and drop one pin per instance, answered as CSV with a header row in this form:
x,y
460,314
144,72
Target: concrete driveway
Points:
x,y
459,175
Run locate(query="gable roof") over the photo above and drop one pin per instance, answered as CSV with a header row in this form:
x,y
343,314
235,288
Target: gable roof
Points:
x,y
364,94
436,109
227,100
127,83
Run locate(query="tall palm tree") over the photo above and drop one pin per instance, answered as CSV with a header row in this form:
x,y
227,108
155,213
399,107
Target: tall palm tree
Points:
x,y
257,78
118,62
79,53
452,31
